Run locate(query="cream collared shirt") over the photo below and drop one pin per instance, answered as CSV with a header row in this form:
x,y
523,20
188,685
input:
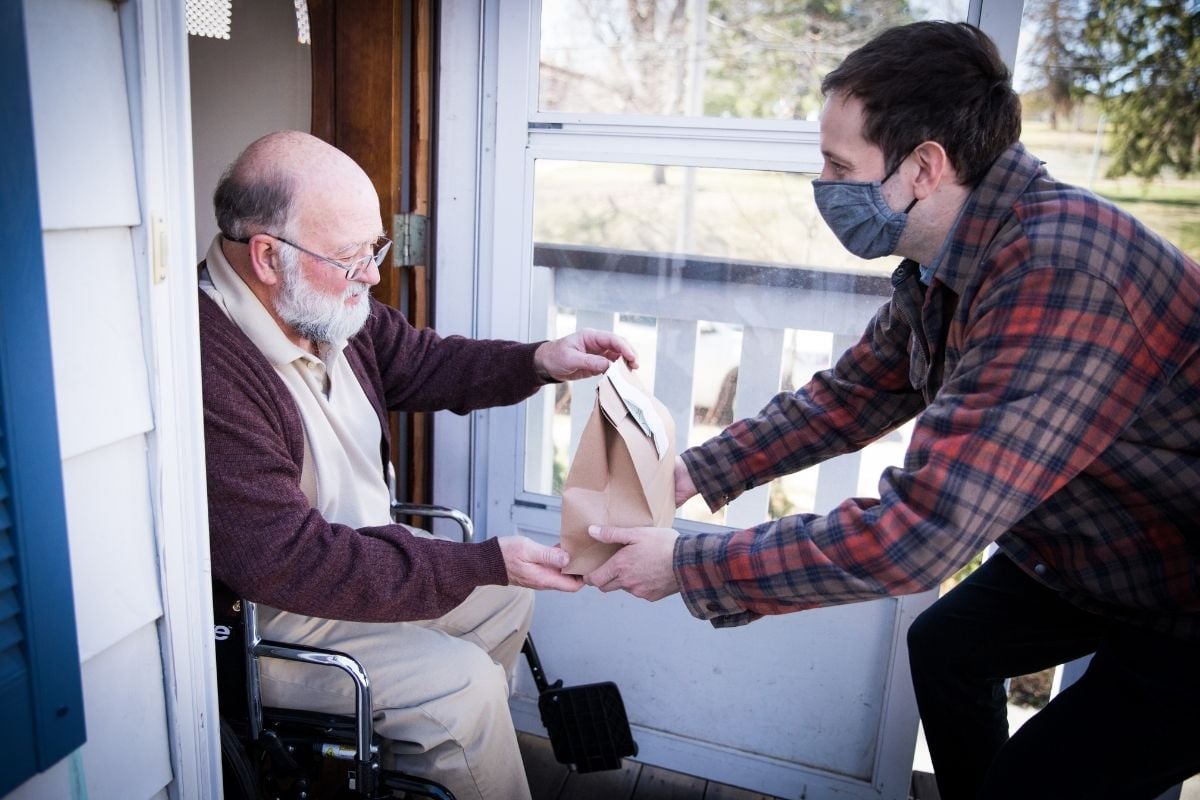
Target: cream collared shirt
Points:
x,y
341,473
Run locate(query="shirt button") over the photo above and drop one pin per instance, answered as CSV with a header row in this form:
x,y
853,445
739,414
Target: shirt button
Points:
x,y
713,605
1040,569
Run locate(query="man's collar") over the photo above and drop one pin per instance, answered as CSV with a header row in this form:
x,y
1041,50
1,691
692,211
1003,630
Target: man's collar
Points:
x,y
930,271
247,311
987,208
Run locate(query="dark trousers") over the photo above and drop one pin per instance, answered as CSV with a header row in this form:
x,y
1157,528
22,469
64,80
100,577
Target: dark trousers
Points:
x,y
1128,729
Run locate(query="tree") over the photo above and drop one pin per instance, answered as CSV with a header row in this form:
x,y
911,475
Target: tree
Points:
x,y
767,57
1144,60
752,58
1056,30
628,57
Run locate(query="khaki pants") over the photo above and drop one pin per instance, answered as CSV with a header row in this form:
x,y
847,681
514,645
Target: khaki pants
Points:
x,y
439,687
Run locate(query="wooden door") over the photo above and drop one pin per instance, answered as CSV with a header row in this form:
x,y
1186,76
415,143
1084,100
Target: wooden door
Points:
x,y
372,95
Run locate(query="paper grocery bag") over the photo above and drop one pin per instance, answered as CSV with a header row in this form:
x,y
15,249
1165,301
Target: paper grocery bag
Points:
x,y
623,472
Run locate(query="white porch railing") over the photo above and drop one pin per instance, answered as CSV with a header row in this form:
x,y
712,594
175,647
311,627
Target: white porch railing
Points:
x,y
831,707
680,293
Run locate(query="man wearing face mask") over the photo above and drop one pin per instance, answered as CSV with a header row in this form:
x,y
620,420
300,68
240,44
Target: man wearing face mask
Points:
x,y
1048,346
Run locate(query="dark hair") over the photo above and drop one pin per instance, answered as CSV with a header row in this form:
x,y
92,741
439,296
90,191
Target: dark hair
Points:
x,y
933,81
246,205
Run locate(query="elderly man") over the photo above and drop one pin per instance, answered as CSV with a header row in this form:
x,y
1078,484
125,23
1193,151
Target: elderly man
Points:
x,y
300,366
1048,346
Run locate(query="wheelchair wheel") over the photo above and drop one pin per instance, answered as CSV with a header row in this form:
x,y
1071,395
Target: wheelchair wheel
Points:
x,y
237,773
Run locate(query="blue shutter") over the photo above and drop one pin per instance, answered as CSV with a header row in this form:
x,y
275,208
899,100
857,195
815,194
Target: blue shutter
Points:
x,y
41,700
15,689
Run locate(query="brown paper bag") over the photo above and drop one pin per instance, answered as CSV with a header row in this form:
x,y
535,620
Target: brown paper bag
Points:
x,y
623,472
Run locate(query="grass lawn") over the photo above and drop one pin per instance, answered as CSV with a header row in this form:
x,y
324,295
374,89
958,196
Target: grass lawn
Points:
x,y
1170,206
770,216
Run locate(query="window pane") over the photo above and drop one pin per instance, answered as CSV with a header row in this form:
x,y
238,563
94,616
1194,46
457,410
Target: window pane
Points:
x,y
728,284
752,59
726,214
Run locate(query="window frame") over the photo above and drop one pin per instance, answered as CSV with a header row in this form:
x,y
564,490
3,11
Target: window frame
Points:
x,y
520,127
486,111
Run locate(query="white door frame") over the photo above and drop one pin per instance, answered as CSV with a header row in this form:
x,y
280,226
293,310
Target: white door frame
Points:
x,y
154,38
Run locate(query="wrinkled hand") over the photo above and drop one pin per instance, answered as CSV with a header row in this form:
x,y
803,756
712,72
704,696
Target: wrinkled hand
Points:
x,y
536,566
685,488
582,354
643,567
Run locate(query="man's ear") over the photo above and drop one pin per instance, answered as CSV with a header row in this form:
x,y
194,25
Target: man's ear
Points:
x,y
934,167
264,259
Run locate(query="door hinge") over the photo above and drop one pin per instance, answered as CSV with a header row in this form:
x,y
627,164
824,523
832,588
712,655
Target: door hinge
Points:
x,y
409,232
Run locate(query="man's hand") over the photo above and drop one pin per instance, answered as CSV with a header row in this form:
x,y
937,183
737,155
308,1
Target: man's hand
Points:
x,y
685,488
643,567
536,566
581,355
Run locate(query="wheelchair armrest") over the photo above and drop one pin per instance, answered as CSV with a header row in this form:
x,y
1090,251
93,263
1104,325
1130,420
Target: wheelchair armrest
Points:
x,y
257,648
419,510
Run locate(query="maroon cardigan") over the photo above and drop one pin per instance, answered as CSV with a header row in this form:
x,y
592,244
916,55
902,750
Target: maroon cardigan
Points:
x,y
268,543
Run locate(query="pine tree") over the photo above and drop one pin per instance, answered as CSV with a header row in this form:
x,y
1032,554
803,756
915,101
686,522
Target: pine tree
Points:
x,y
1056,28
1144,59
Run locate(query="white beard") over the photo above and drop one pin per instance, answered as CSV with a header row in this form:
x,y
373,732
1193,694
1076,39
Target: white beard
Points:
x,y
315,315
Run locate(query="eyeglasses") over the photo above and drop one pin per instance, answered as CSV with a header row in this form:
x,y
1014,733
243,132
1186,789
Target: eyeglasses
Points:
x,y
353,268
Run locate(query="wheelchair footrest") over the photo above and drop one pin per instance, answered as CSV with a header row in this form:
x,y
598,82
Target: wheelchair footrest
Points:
x,y
588,727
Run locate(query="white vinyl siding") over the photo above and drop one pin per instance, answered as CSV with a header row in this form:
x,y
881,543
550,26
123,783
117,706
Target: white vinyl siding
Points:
x,y
85,103
96,329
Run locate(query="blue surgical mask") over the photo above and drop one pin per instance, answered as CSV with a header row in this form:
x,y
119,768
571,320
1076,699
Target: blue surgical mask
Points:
x,y
859,216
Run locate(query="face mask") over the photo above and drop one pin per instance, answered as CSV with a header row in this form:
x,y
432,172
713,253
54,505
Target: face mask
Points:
x,y
859,216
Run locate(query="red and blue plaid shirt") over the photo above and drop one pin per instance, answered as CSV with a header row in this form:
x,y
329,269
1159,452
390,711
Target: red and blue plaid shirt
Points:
x,y
1053,367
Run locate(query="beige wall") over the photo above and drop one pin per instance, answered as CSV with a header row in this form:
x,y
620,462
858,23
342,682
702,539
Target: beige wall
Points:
x,y
257,81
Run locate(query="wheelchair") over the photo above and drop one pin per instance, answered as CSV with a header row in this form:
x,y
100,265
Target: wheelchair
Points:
x,y
285,754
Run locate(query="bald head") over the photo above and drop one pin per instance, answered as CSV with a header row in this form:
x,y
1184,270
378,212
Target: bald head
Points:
x,y
285,180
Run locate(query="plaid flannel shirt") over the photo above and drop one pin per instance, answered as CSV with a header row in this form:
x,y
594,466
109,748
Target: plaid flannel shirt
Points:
x,y
1053,369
